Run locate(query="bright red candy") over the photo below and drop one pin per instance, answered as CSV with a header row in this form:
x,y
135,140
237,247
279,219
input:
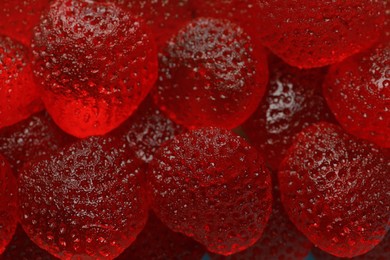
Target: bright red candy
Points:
x,y
209,184
96,63
34,137
157,241
358,92
18,18
335,189
211,74
86,201
8,204
19,96
293,101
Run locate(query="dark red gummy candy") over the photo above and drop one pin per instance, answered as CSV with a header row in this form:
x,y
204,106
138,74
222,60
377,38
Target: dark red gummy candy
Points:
x,y
18,18
209,184
210,74
19,96
8,204
32,138
335,188
157,242
87,201
358,92
293,101
96,63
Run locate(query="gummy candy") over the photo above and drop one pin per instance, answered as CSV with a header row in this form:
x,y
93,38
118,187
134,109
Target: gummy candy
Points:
x,y
8,204
86,201
18,18
209,184
96,63
210,75
358,93
34,137
293,101
157,241
19,96
335,189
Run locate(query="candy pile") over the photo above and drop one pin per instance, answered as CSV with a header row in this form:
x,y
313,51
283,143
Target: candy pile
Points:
x,y
168,129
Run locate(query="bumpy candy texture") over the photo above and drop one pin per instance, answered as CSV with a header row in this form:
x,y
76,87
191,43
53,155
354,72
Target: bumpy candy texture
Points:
x,y
18,18
309,34
358,92
335,188
19,96
209,184
157,242
8,204
293,101
35,137
210,75
87,200
96,63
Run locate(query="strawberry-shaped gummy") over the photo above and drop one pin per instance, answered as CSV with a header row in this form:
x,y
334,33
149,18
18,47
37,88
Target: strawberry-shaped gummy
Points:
x,y
34,137
210,74
86,201
335,189
308,33
358,93
293,100
96,63
157,241
8,204
18,18
19,96
209,184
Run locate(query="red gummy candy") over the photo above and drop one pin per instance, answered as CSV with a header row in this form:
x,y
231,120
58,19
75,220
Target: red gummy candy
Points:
x,y
18,18
34,137
87,201
8,204
358,93
335,188
96,63
292,102
209,184
19,96
210,75
157,242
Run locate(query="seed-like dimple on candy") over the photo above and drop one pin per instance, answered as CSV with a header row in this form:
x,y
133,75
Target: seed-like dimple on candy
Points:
x,y
358,93
293,101
158,242
8,204
211,74
37,136
19,97
209,184
335,189
96,63
18,18
86,201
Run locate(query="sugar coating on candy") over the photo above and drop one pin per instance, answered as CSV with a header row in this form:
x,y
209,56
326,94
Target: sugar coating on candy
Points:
x,y
209,184
96,63
19,96
335,189
158,242
86,201
358,93
8,204
293,101
317,33
37,136
18,18
210,74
